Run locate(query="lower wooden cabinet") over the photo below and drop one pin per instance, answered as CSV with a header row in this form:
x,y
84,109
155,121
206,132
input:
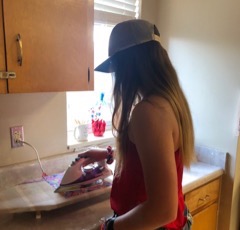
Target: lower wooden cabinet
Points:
x,y
203,204
206,219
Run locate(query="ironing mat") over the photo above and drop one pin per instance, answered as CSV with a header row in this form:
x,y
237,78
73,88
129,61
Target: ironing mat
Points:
x,y
54,180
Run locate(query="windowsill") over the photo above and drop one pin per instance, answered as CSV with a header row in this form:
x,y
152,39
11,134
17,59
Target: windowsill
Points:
x,y
106,139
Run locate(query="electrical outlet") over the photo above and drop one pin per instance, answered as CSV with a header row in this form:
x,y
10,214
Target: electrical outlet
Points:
x,y
16,133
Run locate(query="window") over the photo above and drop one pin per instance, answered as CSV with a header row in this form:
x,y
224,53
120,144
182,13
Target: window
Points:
x,y
107,13
115,11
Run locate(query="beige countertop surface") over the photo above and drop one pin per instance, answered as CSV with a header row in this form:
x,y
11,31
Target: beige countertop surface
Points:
x,y
19,204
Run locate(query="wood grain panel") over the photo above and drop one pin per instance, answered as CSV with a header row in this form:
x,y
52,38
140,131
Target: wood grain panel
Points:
x,y
55,44
203,196
206,219
3,83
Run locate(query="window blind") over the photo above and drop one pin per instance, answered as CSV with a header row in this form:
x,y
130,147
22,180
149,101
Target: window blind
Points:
x,y
115,11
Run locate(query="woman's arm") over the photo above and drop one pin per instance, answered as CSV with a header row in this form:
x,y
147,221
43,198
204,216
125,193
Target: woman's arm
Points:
x,y
154,131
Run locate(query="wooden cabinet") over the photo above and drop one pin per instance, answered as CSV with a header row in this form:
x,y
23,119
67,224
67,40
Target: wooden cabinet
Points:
x,y
206,219
3,83
56,45
203,205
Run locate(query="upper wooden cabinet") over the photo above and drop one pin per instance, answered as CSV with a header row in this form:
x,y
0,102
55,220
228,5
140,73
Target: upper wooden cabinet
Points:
x,y
56,45
3,83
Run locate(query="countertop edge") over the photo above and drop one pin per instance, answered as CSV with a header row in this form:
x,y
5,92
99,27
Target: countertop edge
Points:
x,y
203,180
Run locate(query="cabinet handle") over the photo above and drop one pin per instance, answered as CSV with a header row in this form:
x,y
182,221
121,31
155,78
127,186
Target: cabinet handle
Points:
x,y
20,50
202,200
89,75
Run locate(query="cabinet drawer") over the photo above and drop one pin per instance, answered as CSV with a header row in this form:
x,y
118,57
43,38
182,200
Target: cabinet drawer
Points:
x,y
203,196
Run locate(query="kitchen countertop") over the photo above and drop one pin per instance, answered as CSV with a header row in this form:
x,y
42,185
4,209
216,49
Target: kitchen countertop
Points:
x,y
81,215
199,174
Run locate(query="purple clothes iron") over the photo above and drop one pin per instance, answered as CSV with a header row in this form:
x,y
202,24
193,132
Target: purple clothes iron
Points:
x,y
77,176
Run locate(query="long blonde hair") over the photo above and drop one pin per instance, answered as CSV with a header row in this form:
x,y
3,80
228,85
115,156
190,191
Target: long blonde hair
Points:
x,y
146,69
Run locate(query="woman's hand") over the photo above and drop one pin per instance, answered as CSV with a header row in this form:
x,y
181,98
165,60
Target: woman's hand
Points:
x,y
93,155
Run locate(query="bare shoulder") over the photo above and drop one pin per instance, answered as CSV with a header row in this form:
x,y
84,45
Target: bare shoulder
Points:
x,y
153,116
153,106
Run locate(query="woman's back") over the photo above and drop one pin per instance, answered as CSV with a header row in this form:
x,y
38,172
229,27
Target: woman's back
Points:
x,y
152,170
129,190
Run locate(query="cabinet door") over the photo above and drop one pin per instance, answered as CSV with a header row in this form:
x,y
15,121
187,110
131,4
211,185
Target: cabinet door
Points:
x,y
56,38
206,219
3,83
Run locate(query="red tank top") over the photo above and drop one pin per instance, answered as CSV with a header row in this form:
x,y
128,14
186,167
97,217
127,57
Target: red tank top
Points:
x,y
129,190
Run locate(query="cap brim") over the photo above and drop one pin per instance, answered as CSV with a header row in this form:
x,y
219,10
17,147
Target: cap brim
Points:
x,y
104,67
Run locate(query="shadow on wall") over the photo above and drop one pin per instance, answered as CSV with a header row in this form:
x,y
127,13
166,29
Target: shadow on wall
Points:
x,y
199,22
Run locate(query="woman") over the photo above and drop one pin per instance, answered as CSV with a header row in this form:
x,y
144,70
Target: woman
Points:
x,y
153,128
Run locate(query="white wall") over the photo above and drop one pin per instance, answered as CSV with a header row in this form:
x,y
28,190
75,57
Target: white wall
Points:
x,y
202,38
43,116
149,11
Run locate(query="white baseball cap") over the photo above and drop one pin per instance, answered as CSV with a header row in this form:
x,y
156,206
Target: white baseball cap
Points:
x,y
126,35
